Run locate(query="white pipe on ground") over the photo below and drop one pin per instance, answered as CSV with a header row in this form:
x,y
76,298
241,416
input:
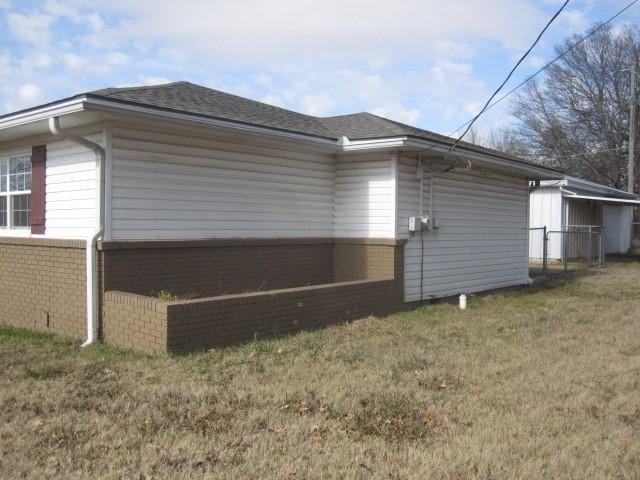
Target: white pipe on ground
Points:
x,y
462,302
91,257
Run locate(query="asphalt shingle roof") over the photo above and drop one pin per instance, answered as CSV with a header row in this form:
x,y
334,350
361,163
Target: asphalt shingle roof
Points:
x,y
187,97
190,98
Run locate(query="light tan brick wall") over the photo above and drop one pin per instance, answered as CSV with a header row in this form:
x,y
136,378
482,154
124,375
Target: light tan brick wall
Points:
x,y
135,322
43,285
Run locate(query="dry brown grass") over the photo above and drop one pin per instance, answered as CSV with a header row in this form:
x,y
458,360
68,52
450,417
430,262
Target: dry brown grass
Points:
x,y
540,383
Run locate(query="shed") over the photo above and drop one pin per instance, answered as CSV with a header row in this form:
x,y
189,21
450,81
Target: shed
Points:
x,y
177,217
573,209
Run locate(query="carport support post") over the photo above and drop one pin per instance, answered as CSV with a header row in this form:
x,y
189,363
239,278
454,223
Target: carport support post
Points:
x,y
564,250
590,247
602,245
545,239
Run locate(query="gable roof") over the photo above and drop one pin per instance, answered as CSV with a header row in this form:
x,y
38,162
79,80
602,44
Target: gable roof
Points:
x,y
196,99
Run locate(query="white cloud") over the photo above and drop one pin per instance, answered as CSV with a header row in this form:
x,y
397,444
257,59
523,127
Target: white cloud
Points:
x,y
399,113
75,62
142,80
259,32
65,10
31,28
317,104
102,63
29,92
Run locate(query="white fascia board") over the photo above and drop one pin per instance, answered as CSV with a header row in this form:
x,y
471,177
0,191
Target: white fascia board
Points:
x,y
73,105
98,104
374,144
554,183
485,158
618,201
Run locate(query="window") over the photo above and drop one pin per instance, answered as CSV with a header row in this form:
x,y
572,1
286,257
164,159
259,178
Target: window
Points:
x,y
15,191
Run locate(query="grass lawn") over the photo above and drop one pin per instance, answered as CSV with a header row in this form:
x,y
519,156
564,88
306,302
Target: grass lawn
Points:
x,y
539,383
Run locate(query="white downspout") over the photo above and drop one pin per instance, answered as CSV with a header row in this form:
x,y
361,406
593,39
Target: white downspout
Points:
x,y
91,257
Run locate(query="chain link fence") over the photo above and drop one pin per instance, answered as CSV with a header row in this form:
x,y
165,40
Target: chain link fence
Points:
x,y
577,247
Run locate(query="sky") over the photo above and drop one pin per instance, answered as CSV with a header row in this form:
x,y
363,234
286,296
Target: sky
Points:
x,y
428,63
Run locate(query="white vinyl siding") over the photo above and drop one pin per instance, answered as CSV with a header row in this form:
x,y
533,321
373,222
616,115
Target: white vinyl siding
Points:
x,y
545,209
71,189
167,186
481,242
364,196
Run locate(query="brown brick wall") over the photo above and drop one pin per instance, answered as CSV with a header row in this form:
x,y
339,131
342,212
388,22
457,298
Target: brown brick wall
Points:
x,y
205,268
43,285
139,322
356,259
135,322
227,320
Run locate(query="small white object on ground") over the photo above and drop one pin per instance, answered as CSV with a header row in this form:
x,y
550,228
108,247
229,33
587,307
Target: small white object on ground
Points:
x,y
462,302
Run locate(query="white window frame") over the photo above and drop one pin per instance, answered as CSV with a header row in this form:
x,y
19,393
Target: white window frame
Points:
x,y
9,194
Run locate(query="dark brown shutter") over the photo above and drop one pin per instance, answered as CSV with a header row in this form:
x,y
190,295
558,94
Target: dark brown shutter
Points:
x,y
38,174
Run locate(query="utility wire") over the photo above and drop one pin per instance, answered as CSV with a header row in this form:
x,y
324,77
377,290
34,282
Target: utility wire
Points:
x,y
538,72
486,105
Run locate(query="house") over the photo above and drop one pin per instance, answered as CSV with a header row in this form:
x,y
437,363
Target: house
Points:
x,y
580,217
176,217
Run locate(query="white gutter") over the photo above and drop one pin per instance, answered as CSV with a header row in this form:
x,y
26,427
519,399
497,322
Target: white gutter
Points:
x,y
43,113
622,201
91,257
481,157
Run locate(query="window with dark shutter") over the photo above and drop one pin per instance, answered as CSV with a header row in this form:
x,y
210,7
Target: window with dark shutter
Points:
x,y
36,209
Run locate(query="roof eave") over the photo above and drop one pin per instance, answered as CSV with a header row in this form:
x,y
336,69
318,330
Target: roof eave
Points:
x,y
531,171
43,112
595,198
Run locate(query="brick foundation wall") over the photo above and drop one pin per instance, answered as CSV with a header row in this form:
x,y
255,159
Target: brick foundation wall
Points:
x,y
203,268
370,282
43,285
356,259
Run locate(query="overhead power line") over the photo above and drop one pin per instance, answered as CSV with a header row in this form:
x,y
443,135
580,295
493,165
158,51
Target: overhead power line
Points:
x,y
547,65
486,105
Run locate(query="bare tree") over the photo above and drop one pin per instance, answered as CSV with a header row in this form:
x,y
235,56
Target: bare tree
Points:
x,y
506,140
576,119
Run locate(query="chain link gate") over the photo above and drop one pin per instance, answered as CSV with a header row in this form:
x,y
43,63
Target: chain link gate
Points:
x,y
575,248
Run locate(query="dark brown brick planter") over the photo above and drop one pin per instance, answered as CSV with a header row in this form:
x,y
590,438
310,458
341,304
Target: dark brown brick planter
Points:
x,y
314,283
150,325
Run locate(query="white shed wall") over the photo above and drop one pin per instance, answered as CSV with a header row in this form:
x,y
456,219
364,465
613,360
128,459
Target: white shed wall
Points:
x,y
545,209
618,221
365,196
481,242
168,186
